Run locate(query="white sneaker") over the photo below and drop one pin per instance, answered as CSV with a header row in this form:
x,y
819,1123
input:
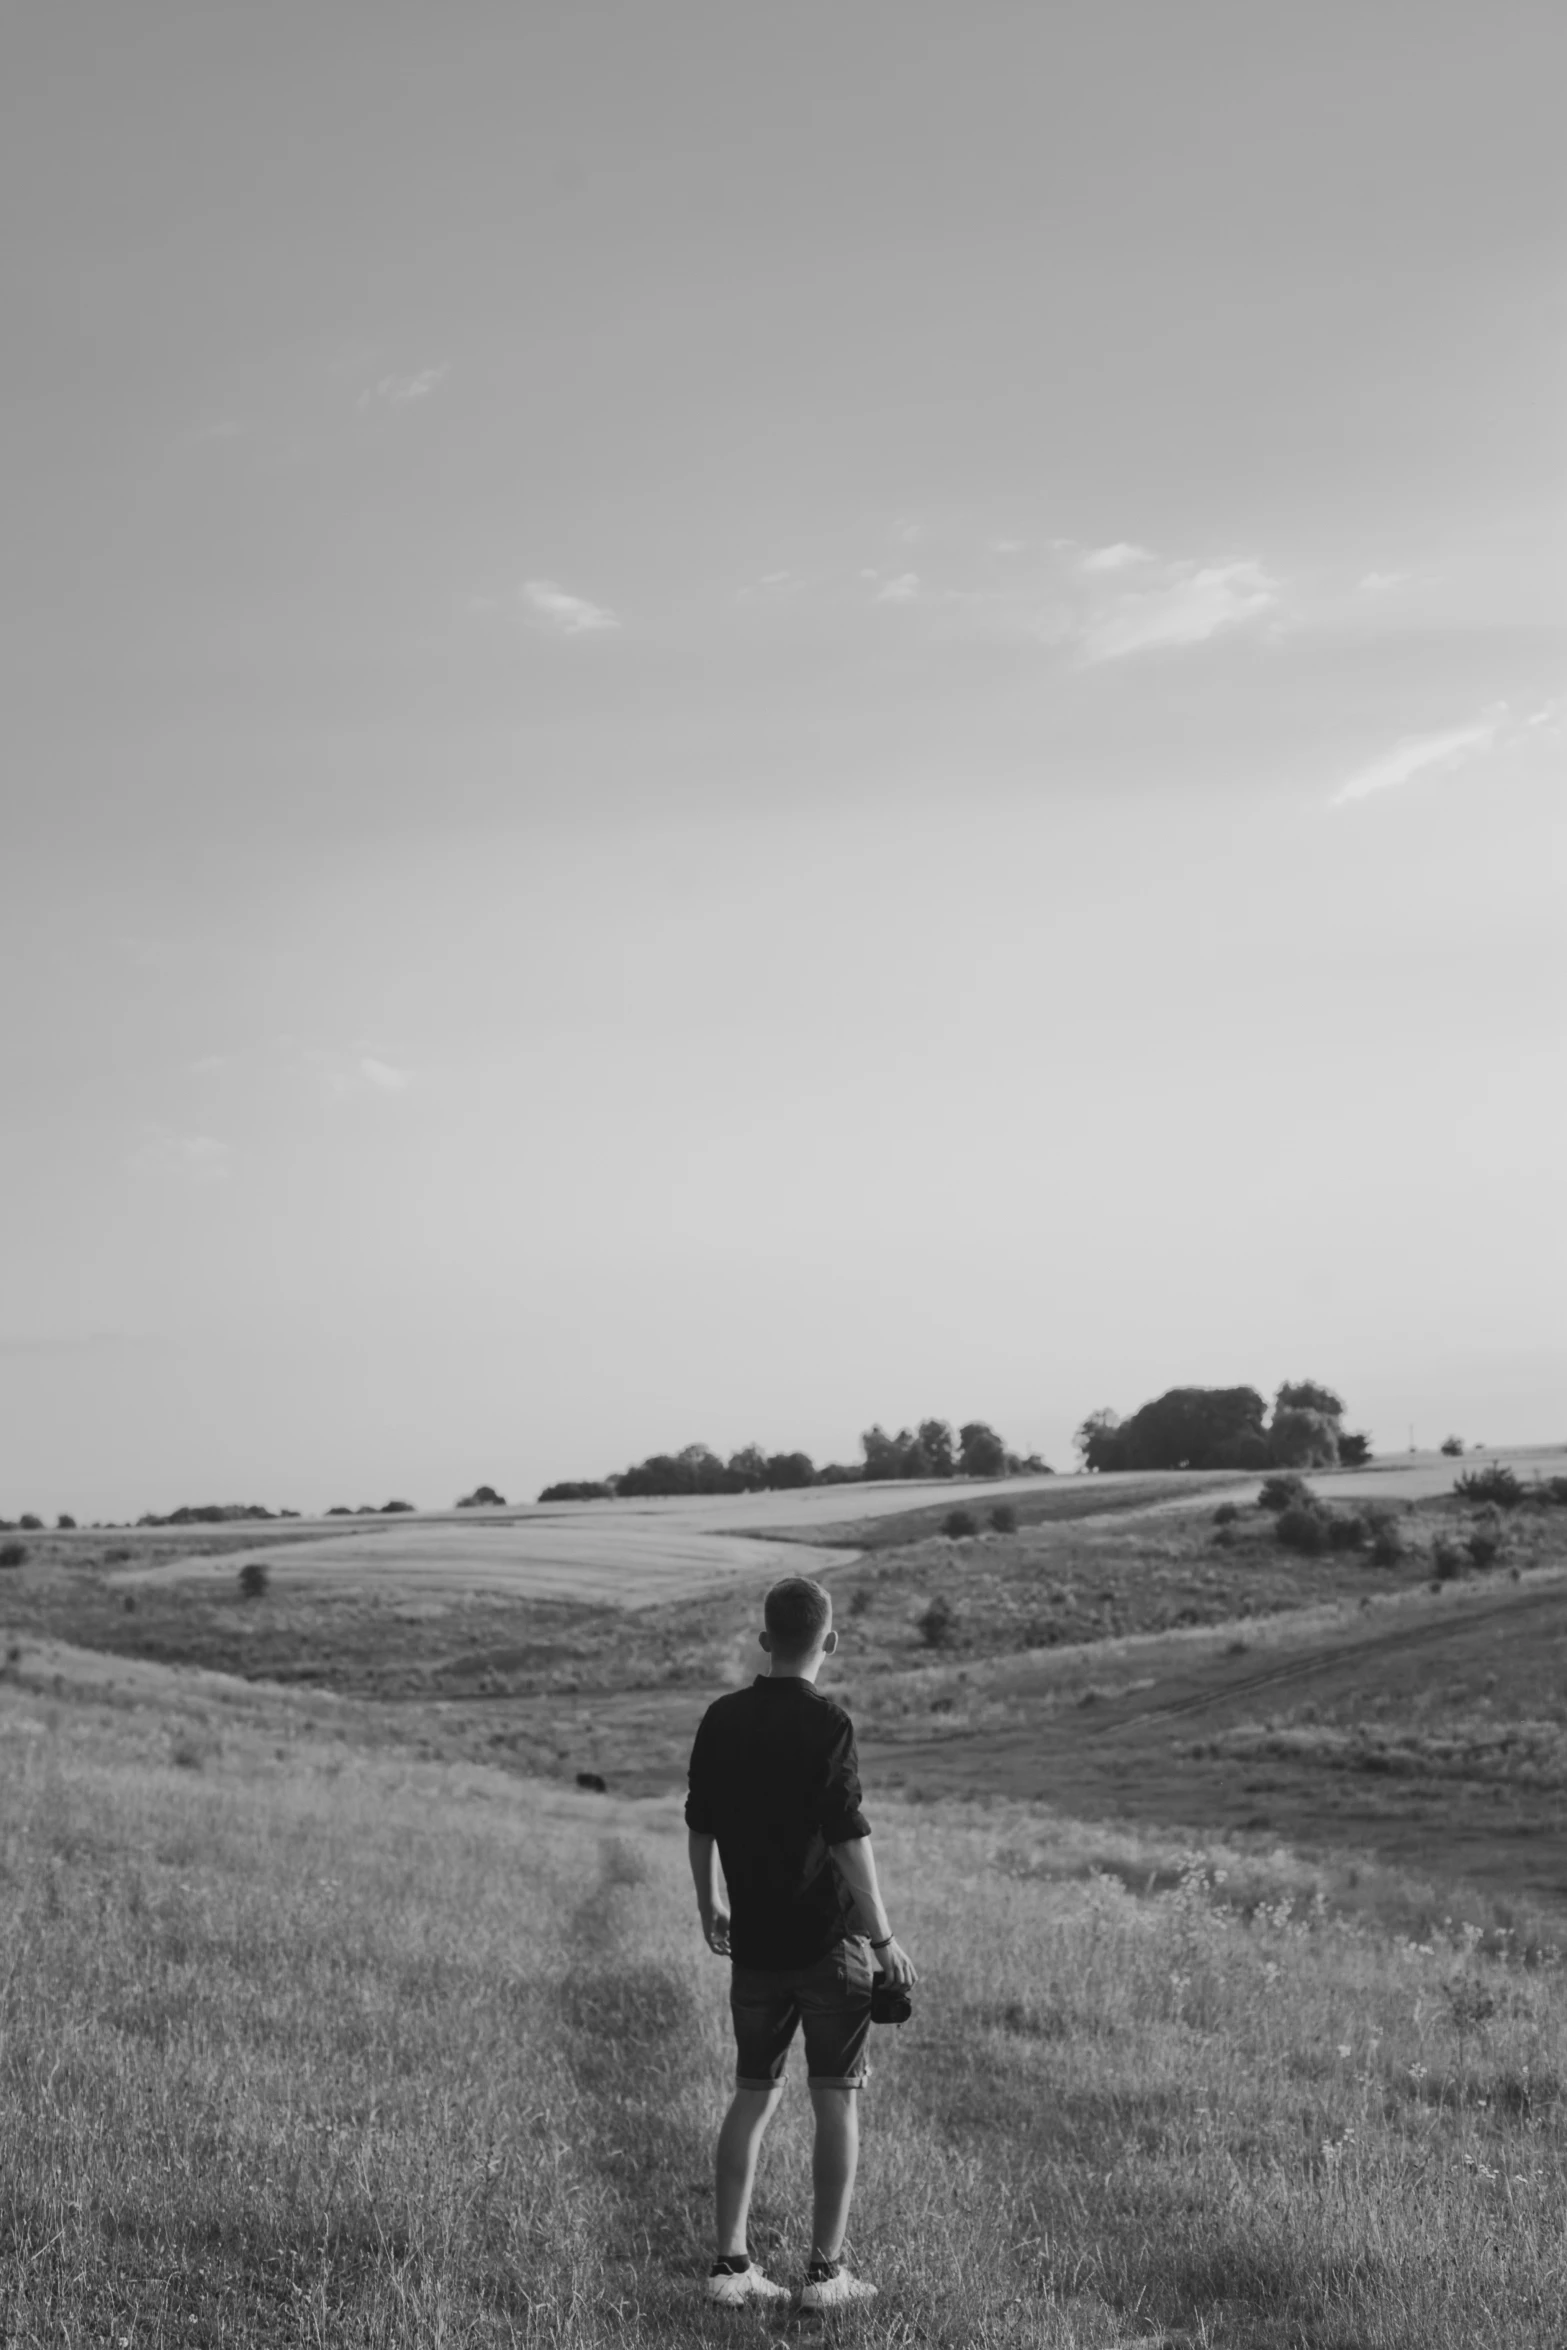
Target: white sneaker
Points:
x,y
835,2291
749,2285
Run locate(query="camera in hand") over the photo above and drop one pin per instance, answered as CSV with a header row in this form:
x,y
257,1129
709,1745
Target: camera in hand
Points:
x,y
890,2003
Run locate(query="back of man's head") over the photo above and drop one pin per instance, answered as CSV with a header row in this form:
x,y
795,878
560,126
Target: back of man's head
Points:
x,y
798,1615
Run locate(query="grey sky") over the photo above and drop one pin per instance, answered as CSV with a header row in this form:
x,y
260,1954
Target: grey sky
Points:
x,y
721,721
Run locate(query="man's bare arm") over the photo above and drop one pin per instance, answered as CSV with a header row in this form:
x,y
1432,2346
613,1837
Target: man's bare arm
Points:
x,y
711,1900
857,1867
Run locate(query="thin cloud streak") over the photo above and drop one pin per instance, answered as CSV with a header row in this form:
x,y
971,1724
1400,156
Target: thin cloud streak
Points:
x,y
1187,605
1416,754
189,1158
555,608
402,391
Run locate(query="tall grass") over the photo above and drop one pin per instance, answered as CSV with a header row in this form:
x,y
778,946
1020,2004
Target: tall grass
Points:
x,y
301,2045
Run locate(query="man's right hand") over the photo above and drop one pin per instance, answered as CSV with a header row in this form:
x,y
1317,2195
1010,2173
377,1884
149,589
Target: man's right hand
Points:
x,y
896,1964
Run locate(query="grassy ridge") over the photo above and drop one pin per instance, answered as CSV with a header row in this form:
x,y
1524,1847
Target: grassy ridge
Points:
x,y
304,2044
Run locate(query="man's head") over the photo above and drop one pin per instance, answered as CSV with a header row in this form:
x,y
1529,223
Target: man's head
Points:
x,y
798,1617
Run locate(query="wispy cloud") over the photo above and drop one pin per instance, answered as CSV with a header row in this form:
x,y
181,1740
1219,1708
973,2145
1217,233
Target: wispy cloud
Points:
x,y
401,391
1378,583
381,1076
1420,754
555,608
1173,604
900,590
186,1158
1118,557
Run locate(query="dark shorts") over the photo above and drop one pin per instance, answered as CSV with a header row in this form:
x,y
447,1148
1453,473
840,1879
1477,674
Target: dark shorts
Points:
x,y
831,1998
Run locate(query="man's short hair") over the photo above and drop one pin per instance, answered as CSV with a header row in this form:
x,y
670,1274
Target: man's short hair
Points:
x,y
796,1612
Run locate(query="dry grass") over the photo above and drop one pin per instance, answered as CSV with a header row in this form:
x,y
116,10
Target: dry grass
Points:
x,y
302,2044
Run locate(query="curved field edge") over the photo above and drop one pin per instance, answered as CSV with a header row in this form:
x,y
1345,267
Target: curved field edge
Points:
x,y
303,2043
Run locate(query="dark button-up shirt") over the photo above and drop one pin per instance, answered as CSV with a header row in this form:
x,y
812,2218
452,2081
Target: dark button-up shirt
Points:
x,y
774,1777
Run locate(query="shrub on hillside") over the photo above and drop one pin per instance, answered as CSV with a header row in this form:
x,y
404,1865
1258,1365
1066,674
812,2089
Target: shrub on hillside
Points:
x,y
1452,1445
13,1554
253,1579
578,1489
959,1522
1387,1541
1448,1559
483,1497
1495,1483
65,1523
1354,1448
1346,1530
1302,1529
1004,1518
1224,1535
1283,1493
937,1623
391,1509
1226,1514
1484,1541
29,1523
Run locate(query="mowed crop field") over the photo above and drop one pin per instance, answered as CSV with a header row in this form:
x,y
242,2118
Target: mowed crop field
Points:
x,y
639,1554
632,1564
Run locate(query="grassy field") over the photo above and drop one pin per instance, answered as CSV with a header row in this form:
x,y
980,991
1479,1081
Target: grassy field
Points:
x,y
306,2043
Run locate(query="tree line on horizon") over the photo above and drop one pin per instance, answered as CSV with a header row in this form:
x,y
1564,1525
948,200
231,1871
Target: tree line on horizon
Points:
x,y
930,1450
1226,1428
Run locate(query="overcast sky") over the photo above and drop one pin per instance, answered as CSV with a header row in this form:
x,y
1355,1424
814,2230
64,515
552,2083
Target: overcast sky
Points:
x,y
720,721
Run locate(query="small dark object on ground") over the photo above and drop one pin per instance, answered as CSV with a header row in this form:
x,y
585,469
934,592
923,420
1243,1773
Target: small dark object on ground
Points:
x,y
1004,1518
1484,1543
959,1522
65,1523
13,1554
128,1603
1452,1446
30,1522
594,1784
253,1579
483,1497
1346,1530
938,1622
1448,1560
1224,1536
1226,1513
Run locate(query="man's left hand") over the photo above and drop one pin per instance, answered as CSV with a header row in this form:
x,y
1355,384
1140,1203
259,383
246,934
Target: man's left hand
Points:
x,y
716,1928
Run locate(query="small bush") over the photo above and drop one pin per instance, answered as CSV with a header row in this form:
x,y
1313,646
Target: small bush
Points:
x,y
1387,1542
1452,1446
1346,1530
938,1622
1495,1483
1448,1559
65,1523
1285,1492
254,1576
1224,1535
13,1554
1484,1543
1301,1529
1226,1514
1003,1518
30,1524
959,1522
859,1600
483,1497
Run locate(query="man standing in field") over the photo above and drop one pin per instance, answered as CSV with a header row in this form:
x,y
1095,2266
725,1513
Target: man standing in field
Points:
x,y
775,1797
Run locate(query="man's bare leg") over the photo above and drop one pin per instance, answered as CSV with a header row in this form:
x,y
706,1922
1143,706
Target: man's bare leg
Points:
x,y
834,2160
739,2144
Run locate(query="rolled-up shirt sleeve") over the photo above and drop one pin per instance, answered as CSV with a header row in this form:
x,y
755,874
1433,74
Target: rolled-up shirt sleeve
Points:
x,y
699,1785
841,1818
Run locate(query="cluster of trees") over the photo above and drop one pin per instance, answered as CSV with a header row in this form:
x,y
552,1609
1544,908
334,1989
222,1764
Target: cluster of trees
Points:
x,y
1226,1428
930,1450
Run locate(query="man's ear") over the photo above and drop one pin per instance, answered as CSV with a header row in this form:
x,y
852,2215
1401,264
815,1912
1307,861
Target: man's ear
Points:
x,y
831,1642
765,1640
